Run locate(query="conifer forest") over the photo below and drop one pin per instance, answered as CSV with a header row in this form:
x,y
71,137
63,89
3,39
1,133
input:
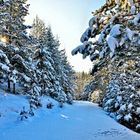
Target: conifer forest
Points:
x,y
42,94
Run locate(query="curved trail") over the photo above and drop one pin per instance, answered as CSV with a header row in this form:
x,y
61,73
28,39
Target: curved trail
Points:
x,y
80,121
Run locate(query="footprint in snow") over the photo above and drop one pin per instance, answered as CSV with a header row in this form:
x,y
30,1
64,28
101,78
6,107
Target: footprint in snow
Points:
x,y
111,132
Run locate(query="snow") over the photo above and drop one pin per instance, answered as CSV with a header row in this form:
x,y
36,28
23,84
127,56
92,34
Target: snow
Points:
x,y
80,121
132,96
111,38
109,102
136,19
4,67
115,30
130,106
26,78
2,55
119,117
75,51
85,35
4,14
79,49
138,127
112,43
129,33
133,9
123,108
138,111
2,43
130,2
101,37
92,21
139,41
119,99
5,0
116,105
13,79
128,117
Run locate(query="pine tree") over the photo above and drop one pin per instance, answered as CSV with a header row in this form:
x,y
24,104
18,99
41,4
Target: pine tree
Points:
x,y
81,79
42,58
38,28
14,29
4,65
67,78
13,34
43,63
54,73
115,50
16,53
53,47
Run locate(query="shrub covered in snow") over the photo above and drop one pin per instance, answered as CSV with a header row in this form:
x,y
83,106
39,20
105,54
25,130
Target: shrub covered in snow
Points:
x,y
23,114
49,105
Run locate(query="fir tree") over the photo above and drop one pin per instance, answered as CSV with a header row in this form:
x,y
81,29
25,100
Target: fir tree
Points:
x,y
13,34
67,77
53,71
42,58
52,45
38,28
81,79
115,50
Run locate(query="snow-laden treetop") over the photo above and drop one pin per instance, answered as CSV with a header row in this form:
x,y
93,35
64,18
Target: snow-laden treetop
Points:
x,y
114,26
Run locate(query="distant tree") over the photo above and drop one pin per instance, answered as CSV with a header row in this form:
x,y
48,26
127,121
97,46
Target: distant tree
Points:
x,y
81,79
38,28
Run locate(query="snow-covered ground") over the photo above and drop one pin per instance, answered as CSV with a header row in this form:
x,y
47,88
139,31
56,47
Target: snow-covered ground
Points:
x,y
80,121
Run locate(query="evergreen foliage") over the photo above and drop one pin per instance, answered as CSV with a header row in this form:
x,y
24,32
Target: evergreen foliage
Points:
x,y
53,65
82,78
112,42
33,63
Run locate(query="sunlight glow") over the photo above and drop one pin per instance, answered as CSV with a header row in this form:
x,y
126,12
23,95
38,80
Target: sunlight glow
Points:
x,y
3,39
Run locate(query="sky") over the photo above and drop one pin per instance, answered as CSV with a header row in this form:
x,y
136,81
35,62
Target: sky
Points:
x,y
68,19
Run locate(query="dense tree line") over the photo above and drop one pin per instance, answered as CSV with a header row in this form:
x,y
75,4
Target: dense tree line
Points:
x,y
81,79
114,51
32,64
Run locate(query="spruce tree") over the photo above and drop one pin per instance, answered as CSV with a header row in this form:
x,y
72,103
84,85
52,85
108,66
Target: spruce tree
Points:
x,y
67,78
42,58
54,73
81,80
53,47
13,34
38,28
114,50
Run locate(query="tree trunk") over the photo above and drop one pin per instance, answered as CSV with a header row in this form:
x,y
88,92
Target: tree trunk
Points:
x,y
14,88
44,87
9,87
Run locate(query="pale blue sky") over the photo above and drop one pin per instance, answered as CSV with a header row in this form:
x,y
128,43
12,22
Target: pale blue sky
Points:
x,y
69,19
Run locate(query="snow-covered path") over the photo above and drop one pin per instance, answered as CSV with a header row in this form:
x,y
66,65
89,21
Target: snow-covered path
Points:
x,y
80,121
